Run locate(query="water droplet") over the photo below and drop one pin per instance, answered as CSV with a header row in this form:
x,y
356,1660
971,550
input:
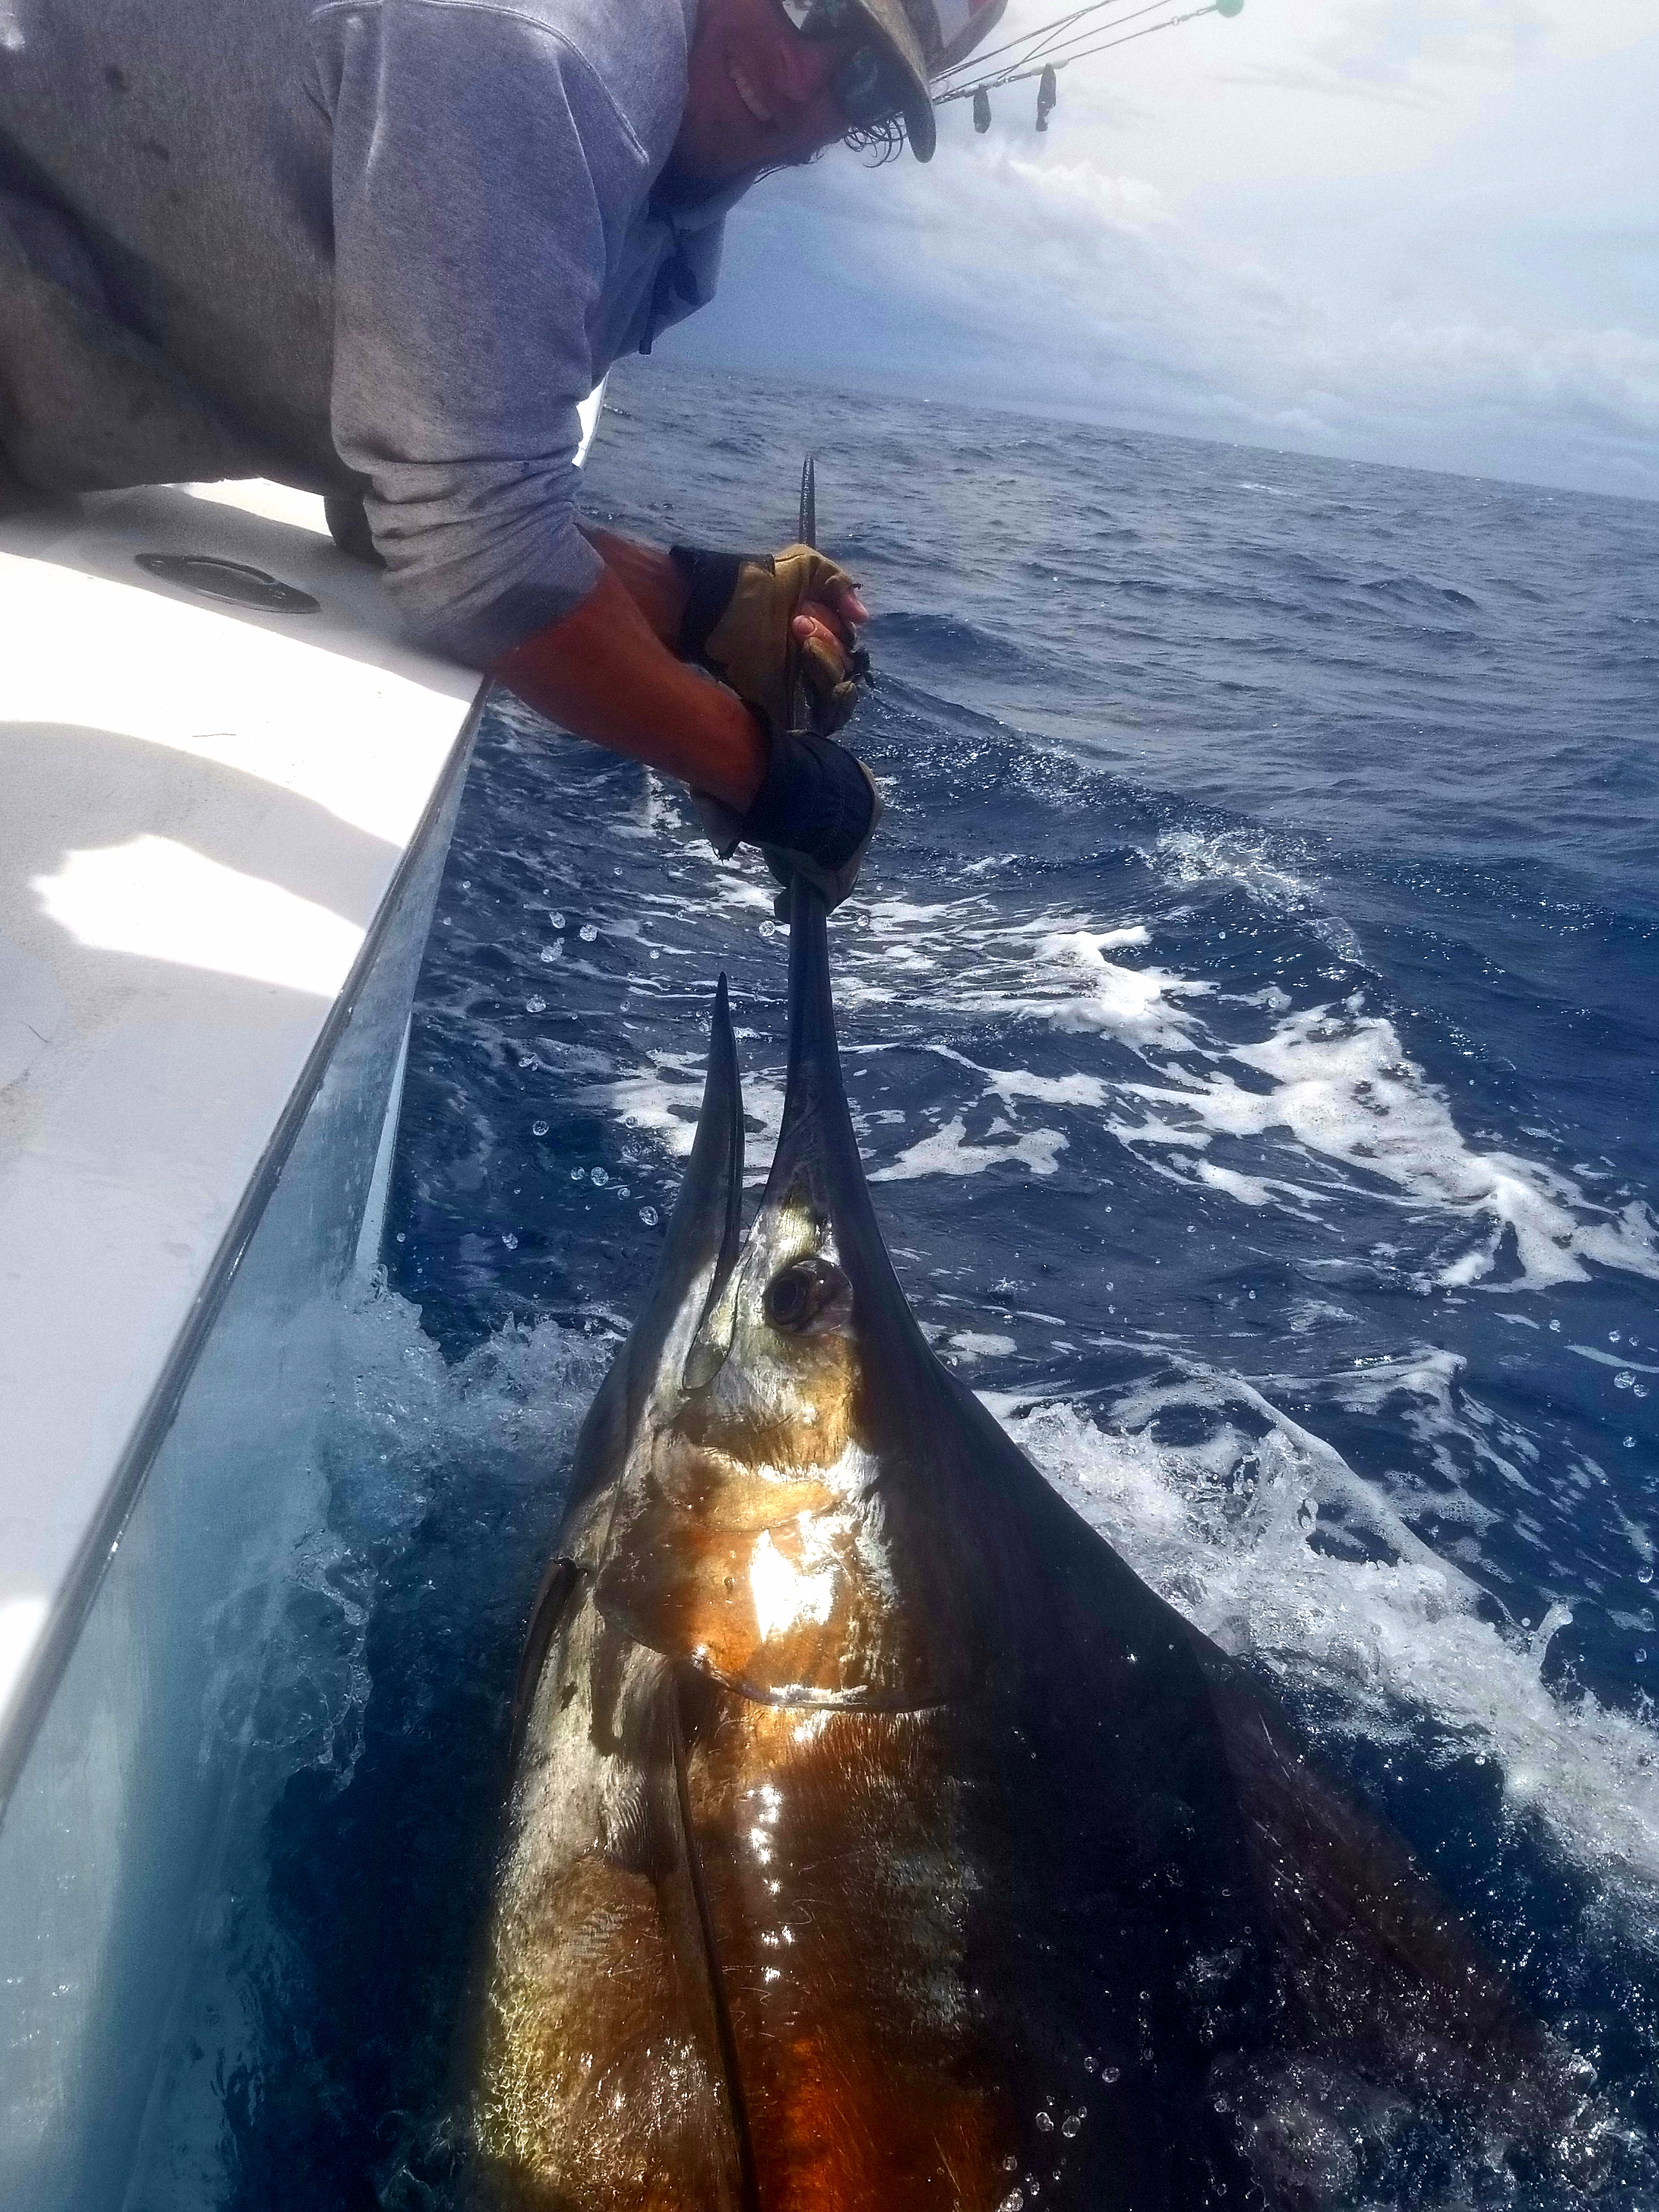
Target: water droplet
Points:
x,y
551,952
527,1059
1110,2073
649,1215
538,1128
1013,2202
1556,1327
1623,1380
601,1176
466,882
509,1240
556,919
1070,2125
768,929
630,1120
1088,2065
1639,1390
535,1004
1630,1443
623,1191
1252,1298
401,1238
1046,2122
587,932
1644,1572
579,1175
1641,1655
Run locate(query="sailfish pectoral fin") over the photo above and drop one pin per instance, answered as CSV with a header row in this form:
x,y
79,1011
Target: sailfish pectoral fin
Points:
x,y
698,1253
705,1229
711,1196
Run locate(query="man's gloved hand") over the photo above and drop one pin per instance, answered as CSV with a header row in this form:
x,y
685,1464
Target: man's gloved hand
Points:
x,y
813,816
739,622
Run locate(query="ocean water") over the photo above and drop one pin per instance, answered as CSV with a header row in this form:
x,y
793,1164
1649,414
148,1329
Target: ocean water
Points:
x,y
1251,1011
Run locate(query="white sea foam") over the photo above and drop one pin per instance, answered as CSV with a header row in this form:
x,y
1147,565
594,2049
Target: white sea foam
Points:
x,y
1068,981
1011,1082
1341,1087
1611,1358
1251,1190
1222,1529
947,1152
972,1344
1253,861
1336,1106
1329,1104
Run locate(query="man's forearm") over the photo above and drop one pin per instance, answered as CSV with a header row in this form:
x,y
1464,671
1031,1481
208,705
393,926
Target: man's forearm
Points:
x,y
606,672
649,577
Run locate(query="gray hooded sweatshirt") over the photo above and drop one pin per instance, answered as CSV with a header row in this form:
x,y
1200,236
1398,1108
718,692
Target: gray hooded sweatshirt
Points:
x,y
383,246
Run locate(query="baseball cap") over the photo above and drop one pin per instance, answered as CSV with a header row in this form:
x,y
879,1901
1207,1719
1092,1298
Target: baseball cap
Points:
x,y
929,36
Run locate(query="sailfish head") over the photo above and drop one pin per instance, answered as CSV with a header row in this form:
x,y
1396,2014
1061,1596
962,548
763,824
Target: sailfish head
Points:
x,y
779,1472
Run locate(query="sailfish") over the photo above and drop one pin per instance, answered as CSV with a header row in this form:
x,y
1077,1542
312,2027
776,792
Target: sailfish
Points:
x,y
878,1840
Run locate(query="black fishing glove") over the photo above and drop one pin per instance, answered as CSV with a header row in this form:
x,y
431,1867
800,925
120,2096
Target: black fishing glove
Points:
x,y
739,612
813,816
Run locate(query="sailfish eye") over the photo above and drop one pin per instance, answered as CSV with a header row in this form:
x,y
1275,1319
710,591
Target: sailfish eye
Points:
x,y
796,1294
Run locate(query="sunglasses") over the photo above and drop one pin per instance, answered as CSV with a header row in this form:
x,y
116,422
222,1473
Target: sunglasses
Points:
x,y
870,85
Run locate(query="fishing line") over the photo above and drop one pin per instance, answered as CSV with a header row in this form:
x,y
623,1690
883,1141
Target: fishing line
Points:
x,y
1149,8
1059,23
1042,41
1015,75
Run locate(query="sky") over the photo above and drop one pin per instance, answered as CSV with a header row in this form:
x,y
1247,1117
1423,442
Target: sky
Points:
x,y
1383,230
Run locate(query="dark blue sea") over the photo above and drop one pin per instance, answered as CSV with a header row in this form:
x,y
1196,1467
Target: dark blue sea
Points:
x,y
1250,1010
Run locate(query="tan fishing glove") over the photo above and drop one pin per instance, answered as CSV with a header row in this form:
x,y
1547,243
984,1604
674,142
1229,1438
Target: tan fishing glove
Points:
x,y
817,808
738,622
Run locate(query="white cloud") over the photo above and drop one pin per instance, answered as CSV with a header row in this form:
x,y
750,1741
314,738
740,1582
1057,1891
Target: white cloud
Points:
x,y
1387,228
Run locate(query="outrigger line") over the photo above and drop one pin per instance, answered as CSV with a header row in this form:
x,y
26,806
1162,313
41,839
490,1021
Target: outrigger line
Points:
x,y
1060,43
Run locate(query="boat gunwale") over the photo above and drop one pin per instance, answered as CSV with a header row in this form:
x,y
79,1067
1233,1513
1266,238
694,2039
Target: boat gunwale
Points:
x,y
42,1670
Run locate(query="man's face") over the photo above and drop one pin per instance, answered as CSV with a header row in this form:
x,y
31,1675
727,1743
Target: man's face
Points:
x,y
760,94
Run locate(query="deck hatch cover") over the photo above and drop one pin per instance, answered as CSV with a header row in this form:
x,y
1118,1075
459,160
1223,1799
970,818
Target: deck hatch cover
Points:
x,y
236,581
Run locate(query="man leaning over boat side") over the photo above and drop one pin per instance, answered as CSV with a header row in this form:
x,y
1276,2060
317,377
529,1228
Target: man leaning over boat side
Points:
x,y
381,249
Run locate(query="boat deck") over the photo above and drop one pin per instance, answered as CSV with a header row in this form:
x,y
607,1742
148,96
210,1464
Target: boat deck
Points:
x,y
204,807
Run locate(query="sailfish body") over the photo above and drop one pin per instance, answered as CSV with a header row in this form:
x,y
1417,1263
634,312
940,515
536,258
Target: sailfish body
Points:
x,y
877,1838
